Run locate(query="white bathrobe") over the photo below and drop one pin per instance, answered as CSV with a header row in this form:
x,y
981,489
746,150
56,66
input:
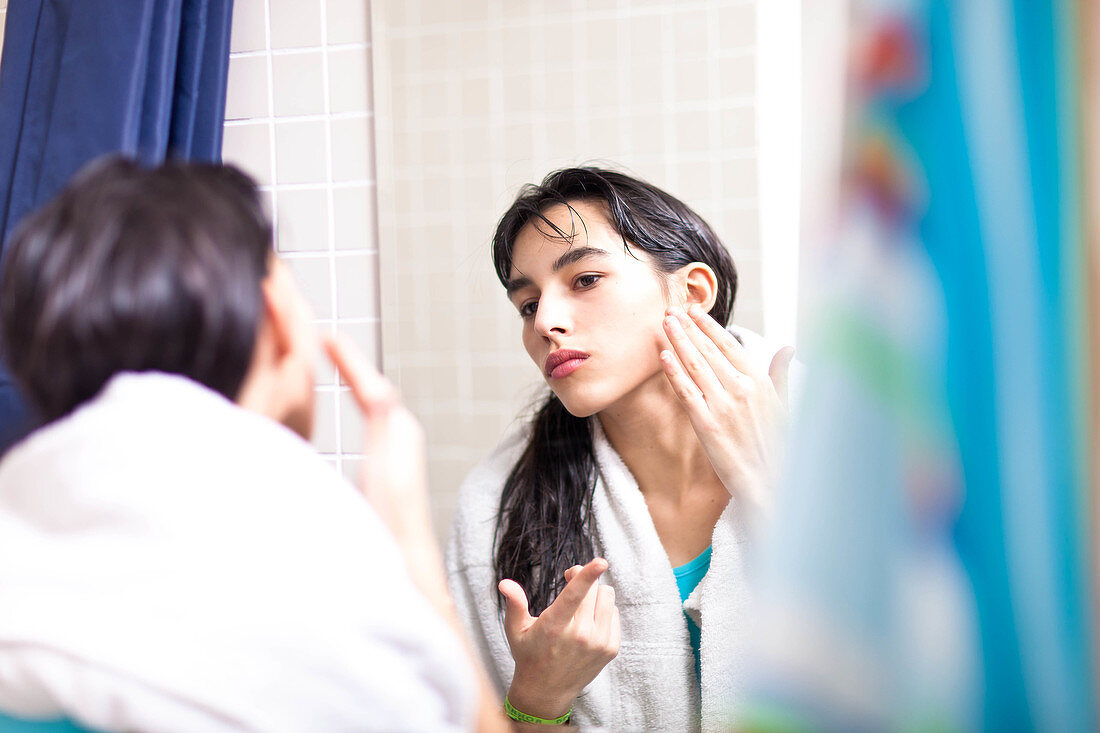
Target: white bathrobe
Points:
x,y
651,685
172,562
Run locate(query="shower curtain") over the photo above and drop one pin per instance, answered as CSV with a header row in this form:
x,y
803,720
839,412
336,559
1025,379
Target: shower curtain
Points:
x,y
930,564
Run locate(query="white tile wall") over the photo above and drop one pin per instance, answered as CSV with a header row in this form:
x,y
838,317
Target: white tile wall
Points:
x,y
299,118
477,98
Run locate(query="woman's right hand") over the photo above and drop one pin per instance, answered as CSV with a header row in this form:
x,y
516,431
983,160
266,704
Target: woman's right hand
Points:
x,y
560,651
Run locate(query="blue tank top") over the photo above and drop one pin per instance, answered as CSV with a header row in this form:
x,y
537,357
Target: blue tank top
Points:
x,y
10,724
688,576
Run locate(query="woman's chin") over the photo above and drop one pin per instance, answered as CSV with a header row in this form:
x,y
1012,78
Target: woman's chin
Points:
x,y
584,399
579,405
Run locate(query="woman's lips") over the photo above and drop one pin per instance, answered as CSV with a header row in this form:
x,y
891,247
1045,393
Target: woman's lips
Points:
x,y
563,362
566,368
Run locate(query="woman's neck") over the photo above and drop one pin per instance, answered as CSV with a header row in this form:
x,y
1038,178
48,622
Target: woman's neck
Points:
x,y
651,432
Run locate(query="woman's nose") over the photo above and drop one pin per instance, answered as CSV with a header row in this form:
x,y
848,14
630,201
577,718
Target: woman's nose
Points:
x,y
552,317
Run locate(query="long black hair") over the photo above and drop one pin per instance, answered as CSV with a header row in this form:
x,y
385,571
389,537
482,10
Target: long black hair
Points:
x,y
547,499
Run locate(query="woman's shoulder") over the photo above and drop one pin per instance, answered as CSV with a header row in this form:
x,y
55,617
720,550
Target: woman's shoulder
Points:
x,y
760,351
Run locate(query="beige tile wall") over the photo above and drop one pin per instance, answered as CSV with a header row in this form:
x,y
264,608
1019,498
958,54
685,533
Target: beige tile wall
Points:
x,y
478,97
299,119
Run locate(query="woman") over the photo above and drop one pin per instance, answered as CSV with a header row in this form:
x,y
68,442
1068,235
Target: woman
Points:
x,y
643,465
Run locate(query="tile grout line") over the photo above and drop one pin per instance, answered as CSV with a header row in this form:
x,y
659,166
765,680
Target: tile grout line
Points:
x,y
273,160
333,299
245,121
299,50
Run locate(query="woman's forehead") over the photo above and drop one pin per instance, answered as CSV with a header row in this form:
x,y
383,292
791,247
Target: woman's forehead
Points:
x,y
563,226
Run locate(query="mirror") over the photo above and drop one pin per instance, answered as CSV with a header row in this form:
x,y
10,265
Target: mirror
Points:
x,y
475,99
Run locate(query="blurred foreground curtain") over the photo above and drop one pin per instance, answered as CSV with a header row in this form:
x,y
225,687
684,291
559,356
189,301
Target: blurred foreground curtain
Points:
x,y
81,78
929,565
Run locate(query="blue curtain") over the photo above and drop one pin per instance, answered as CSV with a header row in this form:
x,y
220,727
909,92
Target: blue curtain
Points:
x,y
81,78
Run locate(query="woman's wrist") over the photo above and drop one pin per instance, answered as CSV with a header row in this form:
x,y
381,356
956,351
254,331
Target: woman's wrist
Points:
x,y
521,717
537,701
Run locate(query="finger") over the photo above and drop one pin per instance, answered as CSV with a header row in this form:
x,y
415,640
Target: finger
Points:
x,y
779,371
684,387
516,615
571,572
605,608
737,354
728,375
586,611
369,388
615,632
695,364
561,611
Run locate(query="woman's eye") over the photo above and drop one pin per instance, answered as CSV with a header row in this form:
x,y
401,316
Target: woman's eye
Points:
x,y
587,281
528,309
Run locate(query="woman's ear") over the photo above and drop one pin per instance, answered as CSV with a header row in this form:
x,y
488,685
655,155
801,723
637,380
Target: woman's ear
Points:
x,y
700,285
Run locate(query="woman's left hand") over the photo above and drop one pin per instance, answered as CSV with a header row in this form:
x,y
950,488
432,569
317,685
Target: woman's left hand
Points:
x,y
738,411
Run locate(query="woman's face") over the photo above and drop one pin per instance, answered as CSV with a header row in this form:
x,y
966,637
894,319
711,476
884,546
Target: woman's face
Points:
x,y
591,311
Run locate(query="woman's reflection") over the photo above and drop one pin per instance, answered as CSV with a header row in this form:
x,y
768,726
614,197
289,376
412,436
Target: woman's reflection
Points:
x,y
652,451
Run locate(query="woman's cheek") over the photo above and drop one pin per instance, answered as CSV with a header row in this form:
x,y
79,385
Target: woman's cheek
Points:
x,y
531,345
660,338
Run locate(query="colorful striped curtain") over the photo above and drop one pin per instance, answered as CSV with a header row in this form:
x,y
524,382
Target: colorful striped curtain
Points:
x,y
929,565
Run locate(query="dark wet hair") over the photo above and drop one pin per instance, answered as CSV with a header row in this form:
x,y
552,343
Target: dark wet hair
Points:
x,y
135,269
542,526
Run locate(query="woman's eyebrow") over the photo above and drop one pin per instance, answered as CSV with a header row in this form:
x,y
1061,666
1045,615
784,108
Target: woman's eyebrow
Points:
x,y
515,284
576,255
573,255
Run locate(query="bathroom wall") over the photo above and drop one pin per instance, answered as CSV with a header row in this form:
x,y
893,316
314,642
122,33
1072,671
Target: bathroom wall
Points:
x,y
478,97
299,119
3,18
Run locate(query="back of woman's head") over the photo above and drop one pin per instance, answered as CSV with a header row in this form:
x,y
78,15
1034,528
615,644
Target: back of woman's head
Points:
x,y
135,269
646,217
546,502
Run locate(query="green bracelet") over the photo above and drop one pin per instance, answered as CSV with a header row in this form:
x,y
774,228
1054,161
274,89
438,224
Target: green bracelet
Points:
x,y
514,714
